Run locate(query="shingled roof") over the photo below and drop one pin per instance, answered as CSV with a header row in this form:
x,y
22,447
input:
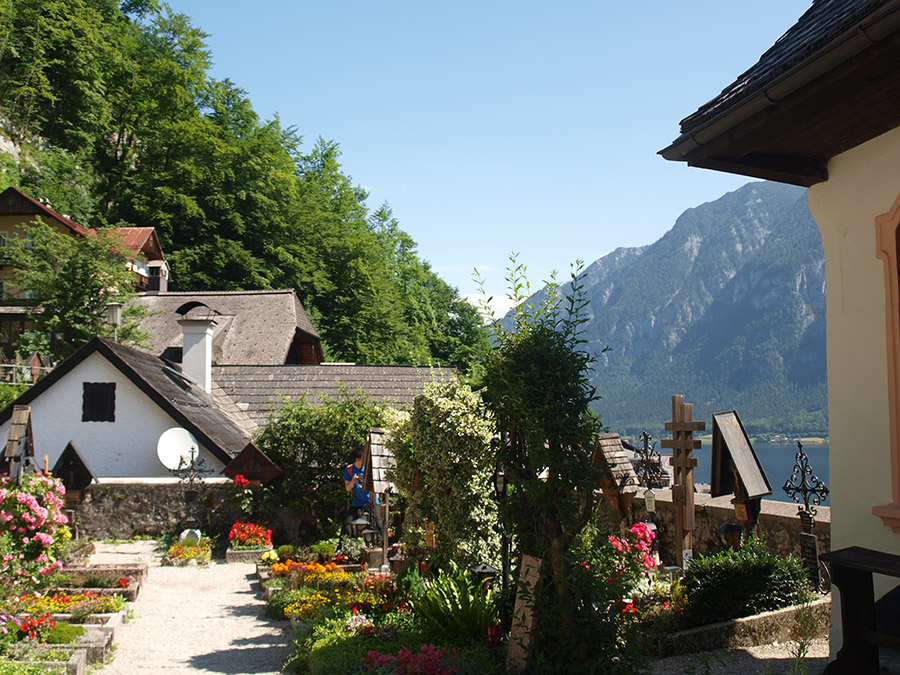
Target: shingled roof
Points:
x,y
257,389
252,327
217,423
828,84
817,29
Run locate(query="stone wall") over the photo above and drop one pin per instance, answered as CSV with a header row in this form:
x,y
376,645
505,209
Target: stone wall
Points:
x,y
778,522
153,508
124,510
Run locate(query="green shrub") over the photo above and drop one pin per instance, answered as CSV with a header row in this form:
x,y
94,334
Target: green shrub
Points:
x,y
285,552
732,584
282,598
325,549
63,633
456,606
409,582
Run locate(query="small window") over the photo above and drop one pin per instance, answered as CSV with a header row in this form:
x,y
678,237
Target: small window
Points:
x,y
99,402
4,239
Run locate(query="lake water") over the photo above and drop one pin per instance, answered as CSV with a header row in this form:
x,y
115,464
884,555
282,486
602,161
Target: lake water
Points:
x,y
777,459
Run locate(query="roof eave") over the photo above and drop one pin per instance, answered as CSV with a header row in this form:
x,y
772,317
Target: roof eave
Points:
x,y
690,146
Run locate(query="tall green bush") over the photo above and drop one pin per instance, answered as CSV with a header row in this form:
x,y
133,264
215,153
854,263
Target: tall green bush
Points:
x,y
444,465
312,444
731,584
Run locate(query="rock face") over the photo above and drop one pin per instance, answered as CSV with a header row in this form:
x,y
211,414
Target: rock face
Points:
x,y
727,308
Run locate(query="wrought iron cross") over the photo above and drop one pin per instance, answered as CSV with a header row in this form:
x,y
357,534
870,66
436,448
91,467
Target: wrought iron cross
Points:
x,y
648,465
803,484
192,471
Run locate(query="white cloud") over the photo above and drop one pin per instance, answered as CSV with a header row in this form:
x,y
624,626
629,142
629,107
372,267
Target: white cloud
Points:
x,y
500,304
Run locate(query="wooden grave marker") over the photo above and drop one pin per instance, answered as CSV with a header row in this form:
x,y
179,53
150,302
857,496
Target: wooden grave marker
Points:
x,y
520,633
379,461
616,476
683,445
736,469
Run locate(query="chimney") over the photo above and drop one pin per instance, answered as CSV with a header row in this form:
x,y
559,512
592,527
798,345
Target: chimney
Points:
x,y
158,282
196,353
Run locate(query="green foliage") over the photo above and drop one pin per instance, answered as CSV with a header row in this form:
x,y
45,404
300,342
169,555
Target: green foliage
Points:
x,y
283,597
731,584
62,633
444,465
10,392
70,281
410,583
285,552
457,606
134,131
325,549
312,445
536,384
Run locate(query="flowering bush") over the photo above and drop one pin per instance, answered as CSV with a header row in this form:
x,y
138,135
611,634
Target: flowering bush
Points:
x,y
182,554
270,557
34,626
31,522
247,536
429,659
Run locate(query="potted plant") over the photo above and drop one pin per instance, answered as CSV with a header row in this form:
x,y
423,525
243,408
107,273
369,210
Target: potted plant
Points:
x,y
248,542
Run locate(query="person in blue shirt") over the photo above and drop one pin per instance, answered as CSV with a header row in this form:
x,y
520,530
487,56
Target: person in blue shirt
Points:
x,y
354,473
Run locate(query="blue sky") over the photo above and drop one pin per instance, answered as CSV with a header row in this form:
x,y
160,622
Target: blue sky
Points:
x,y
500,127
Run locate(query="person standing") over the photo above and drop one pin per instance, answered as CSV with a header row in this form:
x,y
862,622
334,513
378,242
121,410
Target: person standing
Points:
x,y
354,474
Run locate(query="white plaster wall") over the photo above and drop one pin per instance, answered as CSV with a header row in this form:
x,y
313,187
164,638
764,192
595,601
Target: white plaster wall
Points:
x,y
863,183
124,448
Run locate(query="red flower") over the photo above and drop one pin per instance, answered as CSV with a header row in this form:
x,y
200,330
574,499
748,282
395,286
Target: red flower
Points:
x,y
240,481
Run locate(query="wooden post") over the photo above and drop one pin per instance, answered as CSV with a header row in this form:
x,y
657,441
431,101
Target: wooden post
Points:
x,y
521,633
683,445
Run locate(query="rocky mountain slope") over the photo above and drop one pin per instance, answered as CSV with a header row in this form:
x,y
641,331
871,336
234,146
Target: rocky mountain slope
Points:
x,y
727,308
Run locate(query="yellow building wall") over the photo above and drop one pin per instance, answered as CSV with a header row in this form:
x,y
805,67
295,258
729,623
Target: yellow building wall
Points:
x,y
862,184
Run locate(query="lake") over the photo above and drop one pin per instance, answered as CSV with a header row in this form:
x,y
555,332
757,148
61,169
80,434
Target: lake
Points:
x,y
777,459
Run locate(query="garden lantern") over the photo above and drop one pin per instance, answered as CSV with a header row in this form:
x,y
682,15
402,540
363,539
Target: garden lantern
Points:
x,y
370,535
498,481
114,316
484,573
358,525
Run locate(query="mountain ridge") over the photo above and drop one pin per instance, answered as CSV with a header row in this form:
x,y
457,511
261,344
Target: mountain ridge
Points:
x,y
726,308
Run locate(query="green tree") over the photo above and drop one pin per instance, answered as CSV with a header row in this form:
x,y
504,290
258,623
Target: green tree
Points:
x,y
68,281
536,385
444,467
311,444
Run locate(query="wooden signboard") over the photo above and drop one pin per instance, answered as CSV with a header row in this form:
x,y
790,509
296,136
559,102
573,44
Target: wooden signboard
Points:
x,y
732,454
253,464
74,472
520,634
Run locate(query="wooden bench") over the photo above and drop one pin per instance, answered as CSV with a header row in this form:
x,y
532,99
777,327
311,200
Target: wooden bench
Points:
x,y
851,571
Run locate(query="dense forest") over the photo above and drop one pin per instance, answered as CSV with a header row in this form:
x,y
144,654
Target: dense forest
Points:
x,y
108,110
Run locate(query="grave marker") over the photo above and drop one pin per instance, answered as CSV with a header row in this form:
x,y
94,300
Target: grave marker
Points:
x,y
520,635
683,445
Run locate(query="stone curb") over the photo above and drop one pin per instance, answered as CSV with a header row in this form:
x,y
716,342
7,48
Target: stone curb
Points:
x,y
749,631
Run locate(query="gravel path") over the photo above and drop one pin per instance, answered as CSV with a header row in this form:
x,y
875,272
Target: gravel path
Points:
x,y
774,659
194,619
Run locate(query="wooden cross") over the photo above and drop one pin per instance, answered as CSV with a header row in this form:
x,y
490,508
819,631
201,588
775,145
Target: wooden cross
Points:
x,y
683,445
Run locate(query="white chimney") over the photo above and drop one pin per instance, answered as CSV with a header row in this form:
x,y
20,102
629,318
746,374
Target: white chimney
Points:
x,y
196,353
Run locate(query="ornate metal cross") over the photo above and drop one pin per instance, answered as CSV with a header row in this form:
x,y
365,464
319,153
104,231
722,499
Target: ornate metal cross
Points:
x,y
803,484
648,464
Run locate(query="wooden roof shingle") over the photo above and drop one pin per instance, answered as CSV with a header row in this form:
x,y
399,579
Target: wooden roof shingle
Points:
x,y
252,327
258,389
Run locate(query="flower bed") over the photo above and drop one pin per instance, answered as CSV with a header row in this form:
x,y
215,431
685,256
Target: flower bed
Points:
x,y
181,555
75,664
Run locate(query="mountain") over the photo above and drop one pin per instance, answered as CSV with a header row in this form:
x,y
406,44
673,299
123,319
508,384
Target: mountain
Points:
x,y
727,308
